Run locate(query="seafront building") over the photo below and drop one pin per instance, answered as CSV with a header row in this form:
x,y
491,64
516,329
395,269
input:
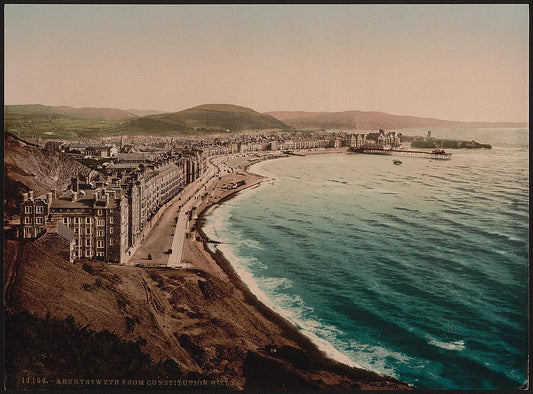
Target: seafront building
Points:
x,y
108,213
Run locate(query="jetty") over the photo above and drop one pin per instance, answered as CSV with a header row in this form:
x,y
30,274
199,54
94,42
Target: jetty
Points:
x,y
438,154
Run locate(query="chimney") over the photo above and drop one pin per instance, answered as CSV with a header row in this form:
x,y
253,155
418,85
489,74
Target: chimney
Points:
x,y
30,194
25,197
74,196
49,198
107,199
54,193
74,184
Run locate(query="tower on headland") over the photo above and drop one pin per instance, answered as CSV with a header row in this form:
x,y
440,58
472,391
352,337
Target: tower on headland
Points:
x,y
429,135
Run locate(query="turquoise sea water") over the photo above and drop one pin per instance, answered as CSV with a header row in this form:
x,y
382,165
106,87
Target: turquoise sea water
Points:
x,y
418,271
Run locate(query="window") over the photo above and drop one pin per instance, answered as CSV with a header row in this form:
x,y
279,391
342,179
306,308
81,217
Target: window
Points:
x,y
87,242
110,230
76,220
88,220
101,222
110,241
76,242
100,254
39,221
88,230
27,220
100,244
99,212
87,253
65,220
111,219
39,209
100,233
75,253
27,209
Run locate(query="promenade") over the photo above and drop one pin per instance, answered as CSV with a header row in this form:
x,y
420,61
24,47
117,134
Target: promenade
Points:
x,y
165,242
191,200
166,233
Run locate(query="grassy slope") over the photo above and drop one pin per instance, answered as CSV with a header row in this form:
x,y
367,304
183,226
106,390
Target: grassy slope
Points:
x,y
218,117
41,121
67,111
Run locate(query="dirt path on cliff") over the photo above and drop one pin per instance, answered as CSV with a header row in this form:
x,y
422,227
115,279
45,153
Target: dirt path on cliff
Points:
x,y
162,311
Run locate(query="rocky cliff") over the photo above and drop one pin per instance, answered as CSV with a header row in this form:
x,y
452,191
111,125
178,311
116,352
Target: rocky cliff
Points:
x,y
27,167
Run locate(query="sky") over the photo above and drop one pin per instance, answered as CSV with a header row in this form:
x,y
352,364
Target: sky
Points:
x,y
454,62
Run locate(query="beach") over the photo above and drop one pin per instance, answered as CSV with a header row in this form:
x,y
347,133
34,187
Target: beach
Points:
x,y
260,327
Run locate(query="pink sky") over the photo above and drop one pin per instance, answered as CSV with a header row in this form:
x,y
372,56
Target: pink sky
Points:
x,y
454,62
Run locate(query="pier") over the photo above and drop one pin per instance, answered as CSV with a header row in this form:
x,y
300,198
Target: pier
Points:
x,y
435,154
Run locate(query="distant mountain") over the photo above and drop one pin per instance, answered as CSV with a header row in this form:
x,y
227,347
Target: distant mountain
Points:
x,y
284,115
13,112
361,120
210,117
145,112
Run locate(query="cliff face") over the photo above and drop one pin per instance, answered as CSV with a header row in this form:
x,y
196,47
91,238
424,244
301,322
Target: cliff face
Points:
x,y
27,167
200,321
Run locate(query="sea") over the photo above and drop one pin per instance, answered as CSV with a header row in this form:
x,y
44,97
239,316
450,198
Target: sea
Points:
x,y
417,271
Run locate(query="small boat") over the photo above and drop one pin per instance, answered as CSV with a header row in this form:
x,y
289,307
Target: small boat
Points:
x,y
397,162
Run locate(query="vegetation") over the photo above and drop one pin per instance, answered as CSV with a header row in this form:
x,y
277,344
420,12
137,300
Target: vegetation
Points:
x,y
215,118
38,110
50,122
60,349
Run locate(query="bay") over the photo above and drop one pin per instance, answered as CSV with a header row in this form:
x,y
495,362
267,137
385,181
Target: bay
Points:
x,y
417,271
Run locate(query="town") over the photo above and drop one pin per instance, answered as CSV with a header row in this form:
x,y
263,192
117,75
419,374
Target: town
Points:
x,y
108,214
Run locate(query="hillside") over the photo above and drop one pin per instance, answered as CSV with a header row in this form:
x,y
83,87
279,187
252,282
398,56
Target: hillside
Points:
x,y
360,120
67,122
145,112
37,110
215,117
194,318
28,167
285,115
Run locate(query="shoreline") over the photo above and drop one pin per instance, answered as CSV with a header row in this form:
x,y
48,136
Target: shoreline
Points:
x,y
288,328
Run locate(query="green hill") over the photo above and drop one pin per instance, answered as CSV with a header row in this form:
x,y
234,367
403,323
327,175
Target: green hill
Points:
x,y
38,110
68,122
215,117
361,120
